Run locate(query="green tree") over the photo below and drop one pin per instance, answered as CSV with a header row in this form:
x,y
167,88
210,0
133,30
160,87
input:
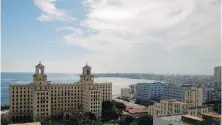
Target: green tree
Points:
x,y
108,111
145,120
91,116
120,106
128,120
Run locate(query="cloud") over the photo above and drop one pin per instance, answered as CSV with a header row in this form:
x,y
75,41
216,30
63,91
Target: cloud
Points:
x,y
50,12
150,35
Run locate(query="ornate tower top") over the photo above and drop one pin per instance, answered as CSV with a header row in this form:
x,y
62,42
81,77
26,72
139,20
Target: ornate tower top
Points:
x,y
40,65
39,74
86,74
86,70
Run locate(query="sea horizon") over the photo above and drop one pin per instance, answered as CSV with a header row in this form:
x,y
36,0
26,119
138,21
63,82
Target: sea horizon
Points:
x,y
26,78
169,74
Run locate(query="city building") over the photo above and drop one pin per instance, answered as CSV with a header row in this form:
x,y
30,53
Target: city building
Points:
x,y
191,104
217,77
194,97
197,111
185,93
133,90
167,107
193,120
31,123
212,119
133,109
206,119
125,93
212,96
177,120
206,92
147,91
175,91
41,99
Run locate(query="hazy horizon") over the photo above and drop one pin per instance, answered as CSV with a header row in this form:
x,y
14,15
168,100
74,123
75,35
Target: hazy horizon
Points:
x,y
112,73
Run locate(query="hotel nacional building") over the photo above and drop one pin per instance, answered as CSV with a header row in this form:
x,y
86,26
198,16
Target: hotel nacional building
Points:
x,y
42,99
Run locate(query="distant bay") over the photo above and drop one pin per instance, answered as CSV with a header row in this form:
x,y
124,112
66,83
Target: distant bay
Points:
x,y
25,78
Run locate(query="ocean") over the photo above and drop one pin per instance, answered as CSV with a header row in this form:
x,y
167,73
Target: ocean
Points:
x,y
25,78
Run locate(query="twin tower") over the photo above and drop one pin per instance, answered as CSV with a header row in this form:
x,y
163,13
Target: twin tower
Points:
x,y
40,77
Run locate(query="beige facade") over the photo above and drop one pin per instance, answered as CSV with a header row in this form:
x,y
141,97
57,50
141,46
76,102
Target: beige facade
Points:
x,y
197,111
194,97
42,99
167,107
33,123
191,105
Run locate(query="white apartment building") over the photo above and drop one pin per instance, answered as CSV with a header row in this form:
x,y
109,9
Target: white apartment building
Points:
x,y
175,91
125,93
41,99
147,91
133,90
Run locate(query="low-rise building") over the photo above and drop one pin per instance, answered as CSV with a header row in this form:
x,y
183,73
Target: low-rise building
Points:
x,y
206,119
193,120
170,120
191,103
197,111
133,109
167,107
31,123
212,118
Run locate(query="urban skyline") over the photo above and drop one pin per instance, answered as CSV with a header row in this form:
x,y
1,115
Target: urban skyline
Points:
x,y
103,62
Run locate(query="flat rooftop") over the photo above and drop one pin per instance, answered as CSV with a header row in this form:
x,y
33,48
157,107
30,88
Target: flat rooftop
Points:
x,y
176,119
132,108
176,101
214,115
129,104
137,110
33,123
193,117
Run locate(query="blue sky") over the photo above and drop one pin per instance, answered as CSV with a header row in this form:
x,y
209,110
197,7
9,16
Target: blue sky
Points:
x,y
111,35
27,38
